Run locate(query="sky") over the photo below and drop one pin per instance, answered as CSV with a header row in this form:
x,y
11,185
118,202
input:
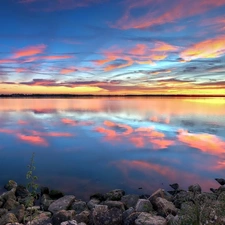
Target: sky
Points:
x,y
112,47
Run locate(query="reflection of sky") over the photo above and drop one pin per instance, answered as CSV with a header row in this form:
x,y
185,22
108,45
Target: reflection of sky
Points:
x,y
88,145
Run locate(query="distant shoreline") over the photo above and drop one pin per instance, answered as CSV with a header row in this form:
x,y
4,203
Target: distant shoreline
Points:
x,y
105,96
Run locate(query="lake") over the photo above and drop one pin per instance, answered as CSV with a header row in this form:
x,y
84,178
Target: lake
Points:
x,y
88,145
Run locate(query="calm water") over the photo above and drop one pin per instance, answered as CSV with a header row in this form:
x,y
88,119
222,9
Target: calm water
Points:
x,y
85,146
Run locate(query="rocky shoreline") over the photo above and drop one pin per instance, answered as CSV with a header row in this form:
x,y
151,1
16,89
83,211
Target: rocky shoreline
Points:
x,y
17,206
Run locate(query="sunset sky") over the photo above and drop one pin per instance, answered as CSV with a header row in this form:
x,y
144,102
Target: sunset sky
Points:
x,y
112,46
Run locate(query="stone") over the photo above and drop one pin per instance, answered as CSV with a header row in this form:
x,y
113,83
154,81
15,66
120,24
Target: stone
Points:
x,y
115,195
165,207
143,205
114,204
10,204
195,188
10,185
101,215
55,194
40,221
129,200
130,220
81,223
8,218
2,212
71,222
27,201
149,219
62,216
98,196
79,206
46,201
1,203
182,197
63,203
19,212
8,195
83,217
159,193
92,203
21,191
44,190
127,213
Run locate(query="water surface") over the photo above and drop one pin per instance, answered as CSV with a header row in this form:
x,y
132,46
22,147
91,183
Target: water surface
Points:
x,y
84,146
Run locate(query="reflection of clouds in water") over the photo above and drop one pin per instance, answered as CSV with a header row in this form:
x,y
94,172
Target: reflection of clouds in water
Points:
x,y
207,143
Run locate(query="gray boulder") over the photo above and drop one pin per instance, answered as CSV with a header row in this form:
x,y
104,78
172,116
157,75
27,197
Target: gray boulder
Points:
x,y
127,213
2,212
46,201
79,206
62,216
8,218
143,205
71,222
101,215
19,212
130,220
10,204
129,200
115,195
114,204
195,188
10,185
149,219
21,191
165,207
55,194
63,203
83,217
92,203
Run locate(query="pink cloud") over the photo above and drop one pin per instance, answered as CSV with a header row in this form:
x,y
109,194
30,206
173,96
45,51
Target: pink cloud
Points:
x,y
35,140
29,51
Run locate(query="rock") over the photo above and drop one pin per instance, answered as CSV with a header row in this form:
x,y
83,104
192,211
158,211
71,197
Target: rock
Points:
x,y
149,219
114,204
62,203
92,203
98,196
2,212
21,191
8,195
1,203
10,185
62,216
27,201
221,181
46,201
172,220
127,213
8,218
71,222
159,193
102,216
130,200
182,197
81,223
42,221
195,188
19,212
143,205
44,190
83,217
165,207
79,206
115,195
130,220
55,194
10,204
175,186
